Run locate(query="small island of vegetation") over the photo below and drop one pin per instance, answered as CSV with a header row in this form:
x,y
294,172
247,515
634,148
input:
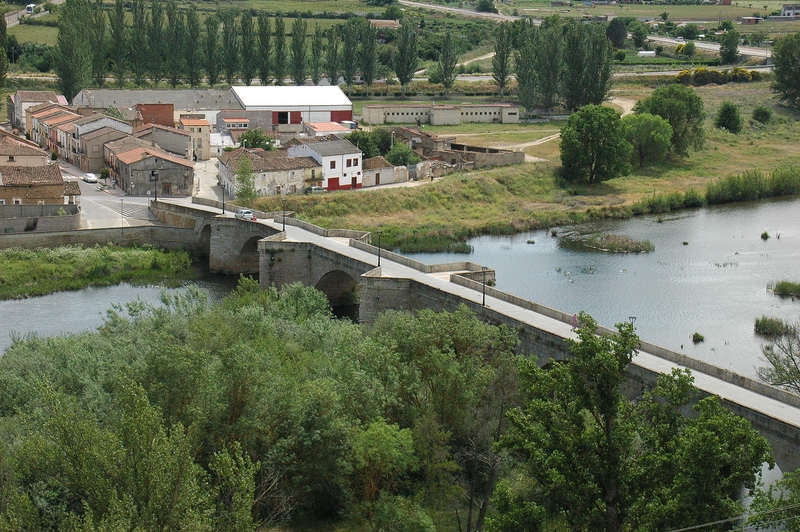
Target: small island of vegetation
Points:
x,y
36,272
618,244
785,288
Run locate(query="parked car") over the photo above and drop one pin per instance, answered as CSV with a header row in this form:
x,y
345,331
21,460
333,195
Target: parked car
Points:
x,y
245,214
316,190
90,178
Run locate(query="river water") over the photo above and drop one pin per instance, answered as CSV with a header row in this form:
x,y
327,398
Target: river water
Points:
x,y
716,284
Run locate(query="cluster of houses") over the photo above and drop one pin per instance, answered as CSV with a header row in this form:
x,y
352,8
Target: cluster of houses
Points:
x,y
142,136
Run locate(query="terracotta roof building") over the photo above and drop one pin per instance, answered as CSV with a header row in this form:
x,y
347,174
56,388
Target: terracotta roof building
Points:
x,y
272,175
141,167
31,185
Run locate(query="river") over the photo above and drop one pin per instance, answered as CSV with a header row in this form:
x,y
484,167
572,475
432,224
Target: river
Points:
x,y
716,284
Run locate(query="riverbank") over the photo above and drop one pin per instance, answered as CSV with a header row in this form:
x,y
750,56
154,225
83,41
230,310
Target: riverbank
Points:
x,y
26,273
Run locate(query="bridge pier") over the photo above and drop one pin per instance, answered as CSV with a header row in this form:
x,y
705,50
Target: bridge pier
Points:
x,y
234,245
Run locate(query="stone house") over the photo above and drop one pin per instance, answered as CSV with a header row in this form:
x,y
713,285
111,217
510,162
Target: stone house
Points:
x,y
173,140
90,148
273,175
139,168
340,160
379,171
20,152
200,131
31,185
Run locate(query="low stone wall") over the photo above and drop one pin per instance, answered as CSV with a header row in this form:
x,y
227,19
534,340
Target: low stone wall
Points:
x,y
166,237
39,218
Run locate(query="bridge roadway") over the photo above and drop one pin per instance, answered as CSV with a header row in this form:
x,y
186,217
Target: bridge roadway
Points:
x,y
760,409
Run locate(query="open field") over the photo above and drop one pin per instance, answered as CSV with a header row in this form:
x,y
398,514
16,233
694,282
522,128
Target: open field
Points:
x,y
28,33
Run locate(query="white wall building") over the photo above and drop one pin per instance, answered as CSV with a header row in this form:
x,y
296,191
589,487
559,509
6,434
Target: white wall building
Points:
x,y
341,161
292,106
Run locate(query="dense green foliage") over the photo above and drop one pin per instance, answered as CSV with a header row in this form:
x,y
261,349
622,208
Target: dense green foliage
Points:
x,y
649,135
728,118
683,109
762,113
72,58
259,409
245,182
783,357
786,288
593,145
25,273
255,138
754,184
772,326
778,508
729,47
786,56
604,463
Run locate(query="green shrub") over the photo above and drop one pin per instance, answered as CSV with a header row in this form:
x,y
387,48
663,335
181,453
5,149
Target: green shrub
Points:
x,y
786,288
767,326
692,198
762,114
729,118
764,236
697,338
754,184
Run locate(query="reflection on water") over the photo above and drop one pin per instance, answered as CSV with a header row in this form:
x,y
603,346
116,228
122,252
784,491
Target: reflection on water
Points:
x,y
715,284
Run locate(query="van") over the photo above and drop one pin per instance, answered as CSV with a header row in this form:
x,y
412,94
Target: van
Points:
x,y
29,8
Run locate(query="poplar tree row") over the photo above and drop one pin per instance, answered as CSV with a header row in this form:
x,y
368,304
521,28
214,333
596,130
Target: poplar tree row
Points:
x,y
164,43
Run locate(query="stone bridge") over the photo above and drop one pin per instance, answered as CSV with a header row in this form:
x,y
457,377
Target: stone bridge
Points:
x,y
349,269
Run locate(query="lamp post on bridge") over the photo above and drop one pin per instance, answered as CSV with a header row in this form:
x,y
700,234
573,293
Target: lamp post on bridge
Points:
x,y
283,201
484,268
154,179
379,247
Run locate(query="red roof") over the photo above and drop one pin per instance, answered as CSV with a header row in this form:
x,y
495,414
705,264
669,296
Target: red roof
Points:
x,y
194,122
137,154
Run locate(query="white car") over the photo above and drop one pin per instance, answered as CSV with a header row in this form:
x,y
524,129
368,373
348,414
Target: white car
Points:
x,y
90,178
245,214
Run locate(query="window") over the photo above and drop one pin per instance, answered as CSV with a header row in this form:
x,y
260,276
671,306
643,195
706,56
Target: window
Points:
x,y
228,126
11,158
191,129
17,201
243,126
283,117
2,201
313,173
349,163
40,202
333,165
278,190
355,161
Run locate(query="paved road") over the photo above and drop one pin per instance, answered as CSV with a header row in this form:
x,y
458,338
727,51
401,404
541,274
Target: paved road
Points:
x,y
12,19
459,11
714,47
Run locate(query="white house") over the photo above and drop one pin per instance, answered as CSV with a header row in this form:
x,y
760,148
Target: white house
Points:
x,y
341,161
292,106
379,171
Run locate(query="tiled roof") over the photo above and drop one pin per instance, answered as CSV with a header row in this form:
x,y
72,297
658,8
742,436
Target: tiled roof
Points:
x,y
127,143
56,120
326,126
195,122
286,163
376,162
330,145
71,188
67,127
182,99
31,175
50,110
37,96
99,132
266,161
137,154
9,146
144,129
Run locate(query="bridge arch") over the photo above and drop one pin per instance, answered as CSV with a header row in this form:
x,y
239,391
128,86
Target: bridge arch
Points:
x,y
342,291
204,243
248,255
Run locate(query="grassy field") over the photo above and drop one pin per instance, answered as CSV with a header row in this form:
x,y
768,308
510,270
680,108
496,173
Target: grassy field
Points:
x,y
28,33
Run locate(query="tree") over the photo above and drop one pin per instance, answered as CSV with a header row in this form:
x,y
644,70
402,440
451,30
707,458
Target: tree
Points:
x,y
264,48
246,193
649,135
368,54
299,51
597,71
689,49
729,118
485,6
363,141
192,51
683,109
155,41
3,52
776,507
211,51
332,57
138,42
97,42
119,41
401,155
406,57
72,62
783,357
525,67
249,51
279,62
548,65
501,62
317,55
617,32
255,138
574,57
176,42
593,146
350,39
729,47
230,45
786,56
448,60
639,33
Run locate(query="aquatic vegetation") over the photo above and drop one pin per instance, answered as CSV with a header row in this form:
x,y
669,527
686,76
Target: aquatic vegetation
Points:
x,y
619,244
767,326
785,288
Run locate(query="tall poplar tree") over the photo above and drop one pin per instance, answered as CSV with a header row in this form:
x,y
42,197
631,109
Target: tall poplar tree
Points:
x,y
155,41
97,42
317,55
279,61
448,59
249,52
72,56
191,49
350,41
230,46
332,58
299,51
574,67
119,42
368,55
3,52
138,42
501,62
525,68
211,52
406,57
176,30
549,44
264,48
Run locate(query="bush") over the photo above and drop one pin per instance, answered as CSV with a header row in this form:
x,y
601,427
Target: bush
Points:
x,y
689,49
786,288
739,75
54,156
693,198
729,118
754,185
619,55
762,114
697,338
767,326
